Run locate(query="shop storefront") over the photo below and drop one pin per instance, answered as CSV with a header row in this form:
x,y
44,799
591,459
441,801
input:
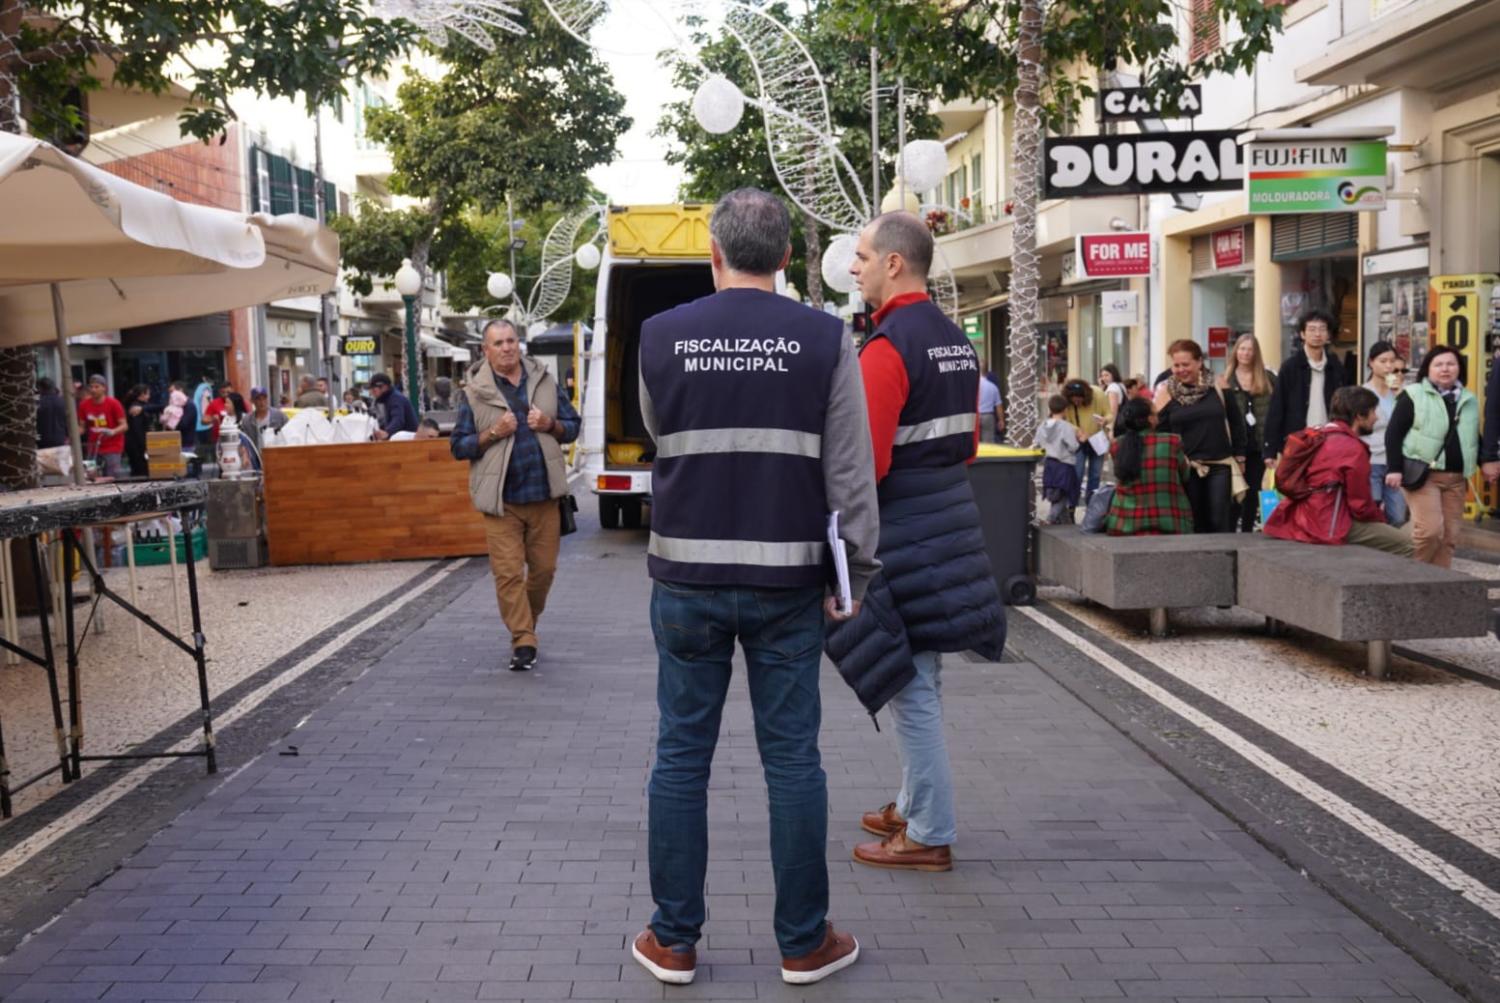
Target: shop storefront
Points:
x,y
1223,290
289,347
1318,258
189,350
1395,302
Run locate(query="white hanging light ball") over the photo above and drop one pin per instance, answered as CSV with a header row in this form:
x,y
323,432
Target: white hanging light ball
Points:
x,y
837,257
587,257
499,286
537,327
893,202
718,106
924,162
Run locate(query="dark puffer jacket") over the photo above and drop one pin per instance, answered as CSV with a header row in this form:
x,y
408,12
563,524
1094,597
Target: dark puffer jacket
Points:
x,y
935,591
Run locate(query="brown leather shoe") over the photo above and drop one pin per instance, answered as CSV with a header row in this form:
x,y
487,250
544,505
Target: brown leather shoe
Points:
x,y
885,822
838,951
899,853
675,965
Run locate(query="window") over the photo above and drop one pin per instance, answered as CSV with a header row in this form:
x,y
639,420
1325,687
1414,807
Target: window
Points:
x,y
280,187
1204,27
976,185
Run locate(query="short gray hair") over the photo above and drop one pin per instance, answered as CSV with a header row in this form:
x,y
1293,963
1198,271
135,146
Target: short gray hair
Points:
x,y
499,322
753,230
904,234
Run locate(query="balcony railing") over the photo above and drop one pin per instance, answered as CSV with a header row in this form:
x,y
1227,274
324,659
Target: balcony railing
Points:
x,y
969,216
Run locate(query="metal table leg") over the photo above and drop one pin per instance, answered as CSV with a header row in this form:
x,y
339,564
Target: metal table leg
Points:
x,y
1379,658
192,577
75,697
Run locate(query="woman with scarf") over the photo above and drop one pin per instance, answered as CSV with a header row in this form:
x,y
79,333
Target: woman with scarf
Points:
x,y
1249,384
1432,448
1213,437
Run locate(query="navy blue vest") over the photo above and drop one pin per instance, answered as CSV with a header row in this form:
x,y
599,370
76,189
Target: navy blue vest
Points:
x,y
739,382
942,405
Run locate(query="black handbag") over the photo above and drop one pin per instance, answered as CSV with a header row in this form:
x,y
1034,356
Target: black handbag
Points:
x,y
1413,473
567,505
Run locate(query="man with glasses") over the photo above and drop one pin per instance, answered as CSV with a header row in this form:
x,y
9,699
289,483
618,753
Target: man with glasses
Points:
x,y
1304,385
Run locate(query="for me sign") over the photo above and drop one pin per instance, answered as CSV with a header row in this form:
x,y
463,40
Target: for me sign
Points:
x,y
1113,255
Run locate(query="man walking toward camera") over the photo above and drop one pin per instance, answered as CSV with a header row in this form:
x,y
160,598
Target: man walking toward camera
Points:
x,y
922,379
755,405
511,425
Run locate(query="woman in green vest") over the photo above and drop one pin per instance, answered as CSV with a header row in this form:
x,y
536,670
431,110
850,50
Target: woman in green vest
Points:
x,y
1432,448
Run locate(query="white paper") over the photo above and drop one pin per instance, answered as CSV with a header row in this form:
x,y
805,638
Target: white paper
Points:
x,y
845,595
1099,442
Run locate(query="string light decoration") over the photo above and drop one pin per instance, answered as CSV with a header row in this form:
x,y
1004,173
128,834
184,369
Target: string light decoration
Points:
x,y
1023,355
476,20
559,255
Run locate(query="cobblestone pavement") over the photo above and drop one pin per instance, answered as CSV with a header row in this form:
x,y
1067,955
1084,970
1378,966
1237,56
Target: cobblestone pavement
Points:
x,y
448,830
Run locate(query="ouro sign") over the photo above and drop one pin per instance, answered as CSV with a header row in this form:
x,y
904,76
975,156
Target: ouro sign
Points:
x,y
1143,163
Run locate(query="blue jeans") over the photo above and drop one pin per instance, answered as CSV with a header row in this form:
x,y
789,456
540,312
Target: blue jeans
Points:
x,y
1087,461
781,631
1391,499
926,799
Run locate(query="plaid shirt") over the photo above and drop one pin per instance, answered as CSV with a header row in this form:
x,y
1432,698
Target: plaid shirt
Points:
x,y
1156,504
526,476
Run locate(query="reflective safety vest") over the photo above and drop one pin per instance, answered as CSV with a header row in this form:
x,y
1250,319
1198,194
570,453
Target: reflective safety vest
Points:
x,y
739,382
942,405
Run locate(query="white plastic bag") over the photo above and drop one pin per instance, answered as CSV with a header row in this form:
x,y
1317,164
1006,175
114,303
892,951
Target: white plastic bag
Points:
x,y
353,428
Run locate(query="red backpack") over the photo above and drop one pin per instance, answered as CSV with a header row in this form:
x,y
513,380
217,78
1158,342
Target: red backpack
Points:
x,y
1296,461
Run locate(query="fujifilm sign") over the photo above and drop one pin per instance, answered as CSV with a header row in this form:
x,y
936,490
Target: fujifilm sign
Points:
x,y
1144,163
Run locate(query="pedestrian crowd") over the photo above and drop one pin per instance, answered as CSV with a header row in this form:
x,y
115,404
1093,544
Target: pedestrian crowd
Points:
x,y
1296,452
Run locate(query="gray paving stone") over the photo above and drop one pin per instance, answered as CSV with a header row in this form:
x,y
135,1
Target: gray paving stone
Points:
x,y
451,832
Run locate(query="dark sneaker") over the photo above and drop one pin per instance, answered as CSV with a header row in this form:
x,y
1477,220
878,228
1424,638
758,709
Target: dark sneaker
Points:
x,y
523,659
839,951
675,965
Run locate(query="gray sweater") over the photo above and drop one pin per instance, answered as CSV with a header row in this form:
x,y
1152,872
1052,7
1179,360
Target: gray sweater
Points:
x,y
848,466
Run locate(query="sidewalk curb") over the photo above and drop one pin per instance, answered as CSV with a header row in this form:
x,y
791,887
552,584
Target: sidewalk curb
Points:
x,y
1452,968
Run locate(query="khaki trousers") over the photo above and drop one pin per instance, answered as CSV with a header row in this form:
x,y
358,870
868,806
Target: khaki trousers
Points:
x,y
1437,511
523,546
1381,536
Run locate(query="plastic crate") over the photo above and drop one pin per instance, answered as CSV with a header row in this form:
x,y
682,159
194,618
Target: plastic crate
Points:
x,y
156,551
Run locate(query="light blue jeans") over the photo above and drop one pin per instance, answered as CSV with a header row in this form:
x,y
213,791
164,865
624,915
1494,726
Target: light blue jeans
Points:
x,y
926,798
1390,499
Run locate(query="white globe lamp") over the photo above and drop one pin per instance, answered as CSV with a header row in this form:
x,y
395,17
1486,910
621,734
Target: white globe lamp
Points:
x,y
538,327
499,285
587,257
894,202
923,163
837,257
408,279
718,105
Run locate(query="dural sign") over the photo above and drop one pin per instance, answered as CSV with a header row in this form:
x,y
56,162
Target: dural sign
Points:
x,y
1142,163
1113,255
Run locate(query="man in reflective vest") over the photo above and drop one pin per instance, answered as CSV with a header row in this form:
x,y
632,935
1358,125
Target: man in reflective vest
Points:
x,y
922,382
755,404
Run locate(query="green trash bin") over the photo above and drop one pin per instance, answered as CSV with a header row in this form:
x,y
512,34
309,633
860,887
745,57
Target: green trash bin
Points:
x,y
1002,480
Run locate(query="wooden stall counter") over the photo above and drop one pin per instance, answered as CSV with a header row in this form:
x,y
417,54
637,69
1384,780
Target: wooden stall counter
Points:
x,y
374,501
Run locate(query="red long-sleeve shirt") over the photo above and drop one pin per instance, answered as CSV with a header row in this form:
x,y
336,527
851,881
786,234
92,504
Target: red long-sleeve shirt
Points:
x,y
887,387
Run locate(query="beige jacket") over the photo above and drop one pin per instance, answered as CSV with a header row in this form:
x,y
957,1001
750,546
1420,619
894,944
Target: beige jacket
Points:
x,y
487,474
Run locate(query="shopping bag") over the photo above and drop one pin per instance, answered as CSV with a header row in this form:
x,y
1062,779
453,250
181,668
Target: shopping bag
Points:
x,y
1269,496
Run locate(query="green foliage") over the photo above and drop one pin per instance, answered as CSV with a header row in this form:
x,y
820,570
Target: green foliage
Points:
x,y
715,164
969,48
298,50
487,250
526,121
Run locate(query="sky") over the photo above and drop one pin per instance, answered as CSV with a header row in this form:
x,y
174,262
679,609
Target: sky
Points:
x,y
628,41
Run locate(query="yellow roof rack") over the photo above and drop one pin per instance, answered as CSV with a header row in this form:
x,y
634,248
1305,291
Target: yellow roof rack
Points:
x,y
659,231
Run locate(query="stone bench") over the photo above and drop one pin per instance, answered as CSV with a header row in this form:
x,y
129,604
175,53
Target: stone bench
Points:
x,y
1154,573
1359,594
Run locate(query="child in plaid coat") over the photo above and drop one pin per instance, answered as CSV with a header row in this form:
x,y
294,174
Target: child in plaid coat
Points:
x,y
1059,441
1150,471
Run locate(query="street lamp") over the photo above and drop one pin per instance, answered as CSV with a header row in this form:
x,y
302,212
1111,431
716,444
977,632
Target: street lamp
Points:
x,y
409,284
